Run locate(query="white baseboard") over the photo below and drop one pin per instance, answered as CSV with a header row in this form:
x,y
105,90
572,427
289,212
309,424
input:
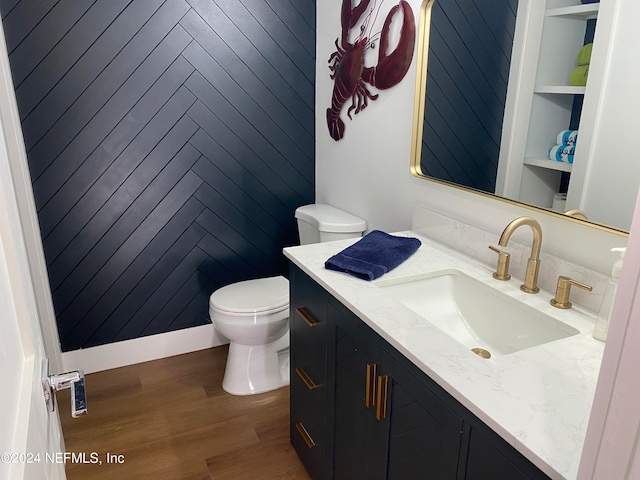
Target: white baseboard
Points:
x,y
143,349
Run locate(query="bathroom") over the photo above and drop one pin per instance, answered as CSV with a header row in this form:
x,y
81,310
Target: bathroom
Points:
x,y
368,174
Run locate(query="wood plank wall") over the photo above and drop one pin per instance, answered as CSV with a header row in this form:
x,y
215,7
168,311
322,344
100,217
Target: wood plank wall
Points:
x,y
467,74
169,143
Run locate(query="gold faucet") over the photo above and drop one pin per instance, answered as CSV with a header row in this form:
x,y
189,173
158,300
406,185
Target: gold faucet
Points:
x,y
533,265
563,290
576,214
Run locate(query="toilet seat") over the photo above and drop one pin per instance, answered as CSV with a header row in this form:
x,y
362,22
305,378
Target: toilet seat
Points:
x,y
261,296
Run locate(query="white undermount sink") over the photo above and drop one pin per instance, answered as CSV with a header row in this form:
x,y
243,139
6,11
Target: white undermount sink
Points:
x,y
476,315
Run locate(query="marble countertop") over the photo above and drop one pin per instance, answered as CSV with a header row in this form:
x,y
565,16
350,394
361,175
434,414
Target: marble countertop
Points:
x,y
538,399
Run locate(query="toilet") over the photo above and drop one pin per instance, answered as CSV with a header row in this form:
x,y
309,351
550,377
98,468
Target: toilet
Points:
x,y
254,314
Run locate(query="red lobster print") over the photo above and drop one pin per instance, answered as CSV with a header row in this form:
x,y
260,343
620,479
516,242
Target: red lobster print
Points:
x,y
347,63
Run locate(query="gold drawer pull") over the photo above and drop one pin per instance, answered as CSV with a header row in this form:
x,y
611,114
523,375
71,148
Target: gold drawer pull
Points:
x,y
305,435
305,378
306,317
381,409
370,387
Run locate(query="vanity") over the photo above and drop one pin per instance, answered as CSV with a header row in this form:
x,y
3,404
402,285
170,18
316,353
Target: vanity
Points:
x,y
379,390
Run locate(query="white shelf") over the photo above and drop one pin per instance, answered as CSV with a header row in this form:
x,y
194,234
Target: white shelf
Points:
x,y
548,164
552,37
560,89
587,11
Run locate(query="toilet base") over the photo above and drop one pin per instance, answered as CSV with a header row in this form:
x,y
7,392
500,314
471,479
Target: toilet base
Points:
x,y
253,369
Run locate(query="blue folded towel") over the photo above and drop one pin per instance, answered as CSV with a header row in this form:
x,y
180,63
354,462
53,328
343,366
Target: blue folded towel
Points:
x,y
567,137
373,255
562,153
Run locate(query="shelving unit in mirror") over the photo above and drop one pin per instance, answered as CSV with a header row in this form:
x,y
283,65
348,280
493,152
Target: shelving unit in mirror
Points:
x,y
559,57
554,35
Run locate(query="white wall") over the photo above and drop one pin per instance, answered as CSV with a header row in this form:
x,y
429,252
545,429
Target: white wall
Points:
x,y
367,172
614,158
611,447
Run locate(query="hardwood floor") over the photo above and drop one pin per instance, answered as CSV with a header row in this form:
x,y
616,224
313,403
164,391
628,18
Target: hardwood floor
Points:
x,y
170,419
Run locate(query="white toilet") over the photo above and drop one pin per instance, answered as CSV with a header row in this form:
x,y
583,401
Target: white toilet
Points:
x,y
254,314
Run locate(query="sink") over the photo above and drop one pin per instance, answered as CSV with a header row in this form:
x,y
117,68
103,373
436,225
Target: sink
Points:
x,y
475,314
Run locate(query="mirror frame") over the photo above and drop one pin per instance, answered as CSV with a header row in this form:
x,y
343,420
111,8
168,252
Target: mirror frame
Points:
x,y
424,19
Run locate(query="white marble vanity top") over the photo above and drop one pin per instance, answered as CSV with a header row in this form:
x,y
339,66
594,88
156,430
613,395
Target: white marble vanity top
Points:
x,y
538,400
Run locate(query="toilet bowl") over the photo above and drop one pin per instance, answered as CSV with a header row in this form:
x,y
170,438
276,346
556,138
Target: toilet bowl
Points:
x,y
254,314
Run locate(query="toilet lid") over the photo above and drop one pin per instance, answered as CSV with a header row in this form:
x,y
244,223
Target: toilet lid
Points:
x,y
252,296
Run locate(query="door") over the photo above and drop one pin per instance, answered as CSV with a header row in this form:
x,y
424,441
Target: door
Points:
x,y
355,424
30,437
424,435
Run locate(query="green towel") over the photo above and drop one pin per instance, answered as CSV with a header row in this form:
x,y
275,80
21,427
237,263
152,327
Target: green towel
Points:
x,y
578,77
584,55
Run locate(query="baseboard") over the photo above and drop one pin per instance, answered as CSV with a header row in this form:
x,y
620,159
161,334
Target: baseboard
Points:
x,y
144,349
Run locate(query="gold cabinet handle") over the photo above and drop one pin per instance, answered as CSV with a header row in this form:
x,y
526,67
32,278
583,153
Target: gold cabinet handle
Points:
x,y
305,378
381,409
370,387
306,317
305,435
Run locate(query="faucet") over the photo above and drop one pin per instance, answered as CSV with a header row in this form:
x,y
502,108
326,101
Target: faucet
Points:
x,y
533,265
576,214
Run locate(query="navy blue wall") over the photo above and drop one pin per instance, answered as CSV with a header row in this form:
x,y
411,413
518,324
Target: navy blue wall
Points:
x,y
169,143
470,47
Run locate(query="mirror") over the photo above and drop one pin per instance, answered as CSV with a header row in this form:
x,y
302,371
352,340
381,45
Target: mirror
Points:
x,y
493,95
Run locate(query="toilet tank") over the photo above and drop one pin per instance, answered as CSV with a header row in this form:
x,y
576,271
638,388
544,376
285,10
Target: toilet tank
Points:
x,y
323,223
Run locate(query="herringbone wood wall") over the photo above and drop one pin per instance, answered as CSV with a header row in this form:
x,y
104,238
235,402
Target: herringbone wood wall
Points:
x,y
169,143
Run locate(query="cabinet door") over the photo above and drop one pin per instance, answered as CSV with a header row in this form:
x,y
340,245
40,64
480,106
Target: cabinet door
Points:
x,y
355,423
497,460
388,424
310,387
424,435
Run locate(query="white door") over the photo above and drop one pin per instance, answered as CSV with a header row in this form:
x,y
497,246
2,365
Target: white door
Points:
x,y
30,437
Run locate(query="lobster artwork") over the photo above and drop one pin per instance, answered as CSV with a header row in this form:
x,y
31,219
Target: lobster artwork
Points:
x,y
347,63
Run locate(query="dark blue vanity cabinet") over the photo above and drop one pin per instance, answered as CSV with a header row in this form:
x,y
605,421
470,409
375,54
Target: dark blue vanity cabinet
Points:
x,y
361,410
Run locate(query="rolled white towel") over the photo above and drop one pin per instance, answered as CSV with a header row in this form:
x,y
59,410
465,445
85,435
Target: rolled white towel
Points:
x,y
567,137
562,153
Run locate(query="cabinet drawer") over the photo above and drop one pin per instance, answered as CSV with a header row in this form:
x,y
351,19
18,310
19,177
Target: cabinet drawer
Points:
x,y
308,388
308,407
308,315
304,319
308,327
307,441
310,355
308,412
308,305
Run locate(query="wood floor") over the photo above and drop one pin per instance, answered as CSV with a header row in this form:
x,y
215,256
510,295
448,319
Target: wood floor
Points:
x,y
170,419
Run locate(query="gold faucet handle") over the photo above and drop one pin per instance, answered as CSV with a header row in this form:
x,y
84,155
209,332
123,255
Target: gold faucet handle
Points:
x,y
563,290
502,272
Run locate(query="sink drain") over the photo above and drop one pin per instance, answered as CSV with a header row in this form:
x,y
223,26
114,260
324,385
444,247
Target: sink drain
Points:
x,y
481,352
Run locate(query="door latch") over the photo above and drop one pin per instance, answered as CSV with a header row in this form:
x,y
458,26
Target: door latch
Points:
x,y
71,380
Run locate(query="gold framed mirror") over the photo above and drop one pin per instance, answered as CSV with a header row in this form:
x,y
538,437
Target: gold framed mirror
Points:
x,y
458,22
